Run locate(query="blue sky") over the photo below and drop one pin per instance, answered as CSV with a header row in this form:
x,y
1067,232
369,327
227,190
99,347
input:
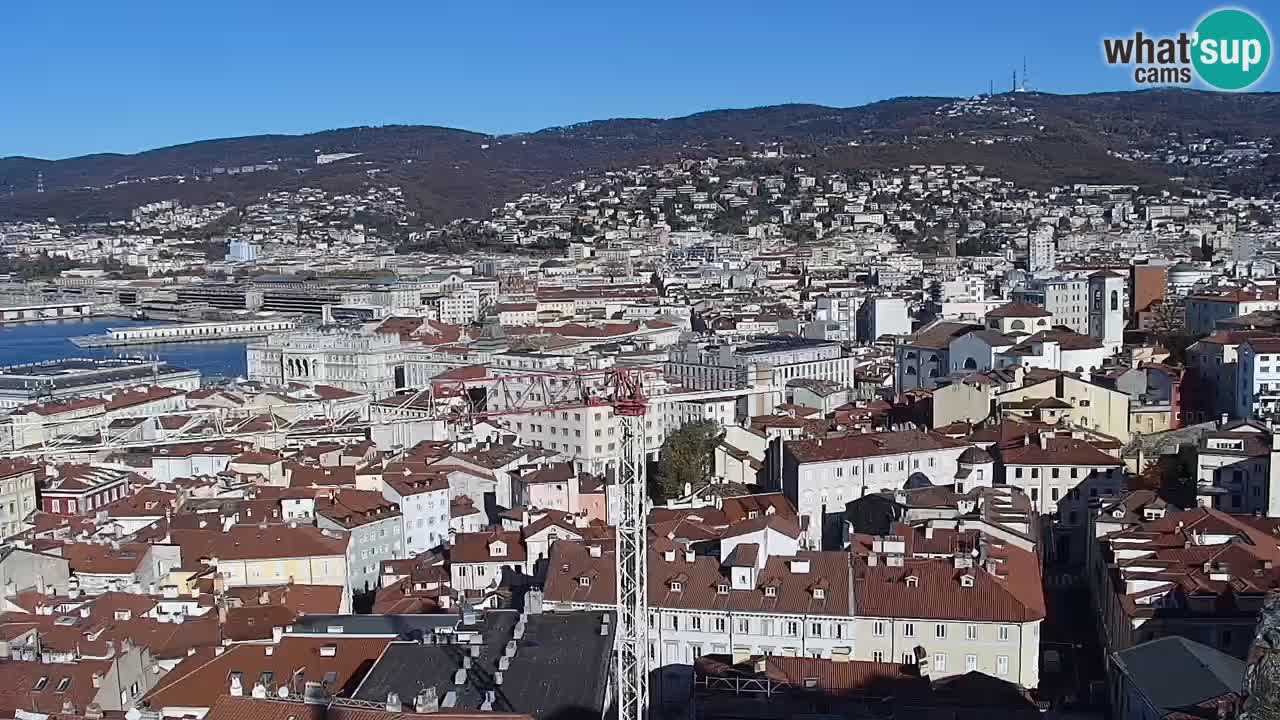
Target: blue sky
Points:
x,y
83,76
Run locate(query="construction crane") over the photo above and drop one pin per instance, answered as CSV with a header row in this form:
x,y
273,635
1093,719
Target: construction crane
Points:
x,y
632,645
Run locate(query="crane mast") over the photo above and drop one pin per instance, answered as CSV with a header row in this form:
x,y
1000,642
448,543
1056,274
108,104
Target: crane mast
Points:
x,y
632,645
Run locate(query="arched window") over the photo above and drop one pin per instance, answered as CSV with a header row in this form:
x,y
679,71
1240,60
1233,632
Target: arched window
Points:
x,y
970,364
1115,299
933,373
1017,325
911,371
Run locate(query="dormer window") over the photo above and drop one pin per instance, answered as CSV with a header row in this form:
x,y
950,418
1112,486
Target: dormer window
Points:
x,y
722,589
752,514
497,549
584,581
770,591
913,581
819,594
677,586
966,580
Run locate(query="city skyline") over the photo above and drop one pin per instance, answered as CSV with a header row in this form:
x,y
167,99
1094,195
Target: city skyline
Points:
x,y
281,71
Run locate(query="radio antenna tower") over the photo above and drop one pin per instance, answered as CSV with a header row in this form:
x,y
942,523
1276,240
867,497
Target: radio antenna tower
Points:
x,y
39,181
1025,85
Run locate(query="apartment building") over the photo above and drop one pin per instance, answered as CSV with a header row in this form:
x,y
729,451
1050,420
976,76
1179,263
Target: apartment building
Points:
x,y
753,599
1234,466
820,475
922,359
1258,391
375,526
481,561
1200,574
270,554
17,494
423,498
954,601
1213,384
81,489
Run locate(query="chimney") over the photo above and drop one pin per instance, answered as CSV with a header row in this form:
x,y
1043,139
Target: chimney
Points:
x,y
237,688
426,702
393,703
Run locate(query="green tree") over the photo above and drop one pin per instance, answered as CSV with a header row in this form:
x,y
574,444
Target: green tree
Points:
x,y
686,458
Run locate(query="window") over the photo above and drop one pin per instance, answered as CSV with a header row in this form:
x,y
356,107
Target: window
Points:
x,y
1004,632
971,632
877,656
909,630
908,659
793,628
815,630
1017,473
970,663
63,684
939,663
940,630
43,681
1002,665
718,624
744,625
695,622
878,628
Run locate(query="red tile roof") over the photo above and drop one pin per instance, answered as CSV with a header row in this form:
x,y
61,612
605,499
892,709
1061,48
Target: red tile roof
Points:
x,y
848,447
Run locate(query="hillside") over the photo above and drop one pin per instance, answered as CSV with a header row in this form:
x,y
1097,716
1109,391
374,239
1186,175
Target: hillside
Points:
x,y
1034,138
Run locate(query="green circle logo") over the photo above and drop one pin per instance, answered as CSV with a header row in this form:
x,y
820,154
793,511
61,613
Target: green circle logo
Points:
x,y
1232,49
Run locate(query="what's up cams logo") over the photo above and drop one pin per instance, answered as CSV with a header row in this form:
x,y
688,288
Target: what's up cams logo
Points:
x,y
1230,49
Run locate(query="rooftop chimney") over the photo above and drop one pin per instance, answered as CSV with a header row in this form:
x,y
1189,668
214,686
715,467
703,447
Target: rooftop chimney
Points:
x,y
393,703
426,701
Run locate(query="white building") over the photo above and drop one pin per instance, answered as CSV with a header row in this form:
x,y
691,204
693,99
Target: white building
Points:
x,y
359,361
424,502
823,474
880,316
1042,252
1068,302
1259,376
1106,307
460,307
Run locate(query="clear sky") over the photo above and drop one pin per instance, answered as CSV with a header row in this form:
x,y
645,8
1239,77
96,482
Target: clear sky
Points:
x,y
83,76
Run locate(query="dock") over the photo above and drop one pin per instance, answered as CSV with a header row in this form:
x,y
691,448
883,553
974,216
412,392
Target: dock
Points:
x,y
194,332
39,311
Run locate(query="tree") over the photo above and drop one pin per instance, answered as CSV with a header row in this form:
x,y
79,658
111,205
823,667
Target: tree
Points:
x,y
686,459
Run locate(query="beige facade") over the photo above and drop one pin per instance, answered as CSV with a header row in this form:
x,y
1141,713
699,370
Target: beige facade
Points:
x,y
1095,407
